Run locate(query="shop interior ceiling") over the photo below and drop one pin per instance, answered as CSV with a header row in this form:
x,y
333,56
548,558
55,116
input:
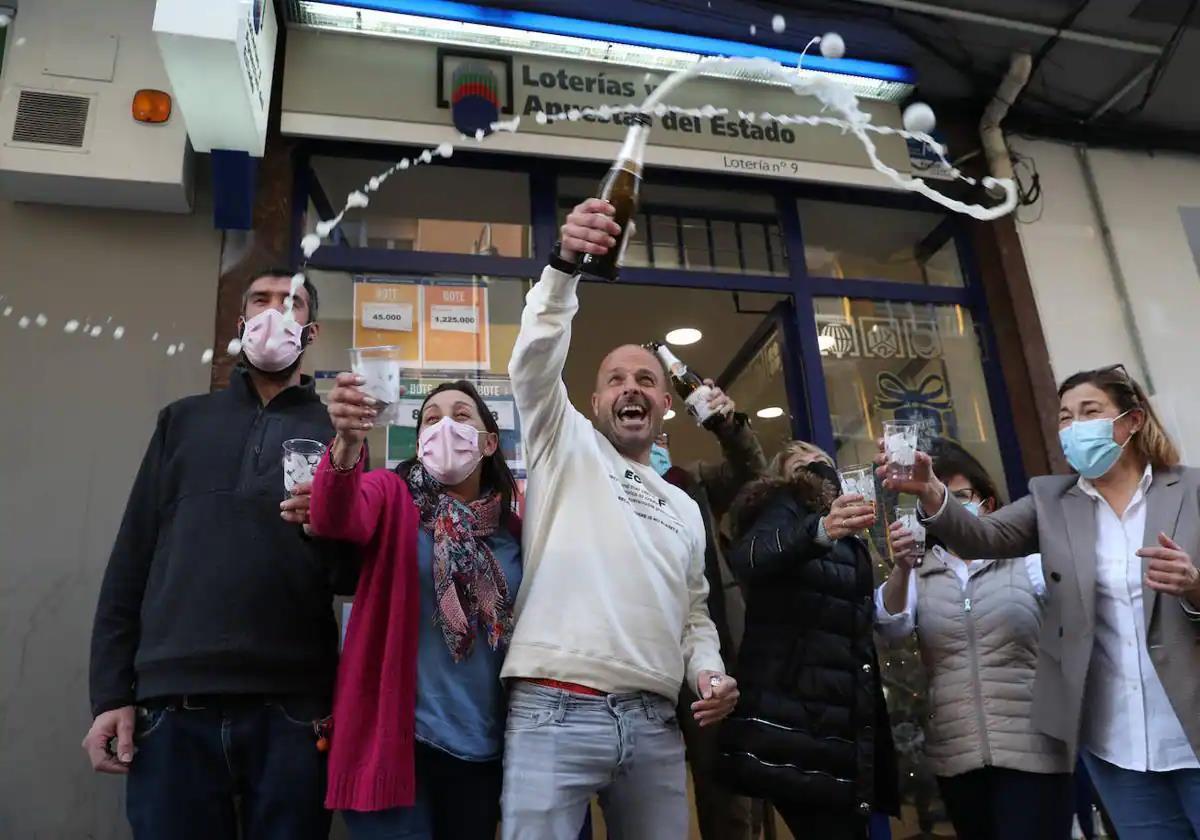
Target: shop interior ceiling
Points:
x,y
1104,95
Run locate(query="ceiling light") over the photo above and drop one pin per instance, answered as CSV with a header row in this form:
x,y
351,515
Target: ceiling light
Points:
x,y
670,414
684,335
471,25
770,412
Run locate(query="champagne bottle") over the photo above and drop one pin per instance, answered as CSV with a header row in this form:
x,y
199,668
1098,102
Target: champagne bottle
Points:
x,y
688,385
620,189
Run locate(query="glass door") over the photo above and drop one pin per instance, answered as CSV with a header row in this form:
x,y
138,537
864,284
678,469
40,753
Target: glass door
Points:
x,y
764,378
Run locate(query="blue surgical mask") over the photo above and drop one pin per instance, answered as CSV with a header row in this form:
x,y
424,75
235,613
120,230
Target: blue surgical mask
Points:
x,y
660,458
1089,445
973,508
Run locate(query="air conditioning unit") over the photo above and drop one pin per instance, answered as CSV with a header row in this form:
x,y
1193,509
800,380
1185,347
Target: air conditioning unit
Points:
x,y
67,134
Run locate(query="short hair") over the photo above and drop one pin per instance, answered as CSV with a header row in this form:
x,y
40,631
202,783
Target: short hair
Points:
x,y
309,288
1152,442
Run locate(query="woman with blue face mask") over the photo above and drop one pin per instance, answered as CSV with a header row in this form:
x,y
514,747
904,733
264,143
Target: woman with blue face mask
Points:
x,y
1118,672
977,625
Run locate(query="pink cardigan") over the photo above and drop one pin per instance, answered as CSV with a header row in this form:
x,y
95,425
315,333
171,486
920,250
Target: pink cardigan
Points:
x,y
374,698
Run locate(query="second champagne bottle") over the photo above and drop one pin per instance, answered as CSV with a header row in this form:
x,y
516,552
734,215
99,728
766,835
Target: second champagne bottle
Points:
x,y
689,385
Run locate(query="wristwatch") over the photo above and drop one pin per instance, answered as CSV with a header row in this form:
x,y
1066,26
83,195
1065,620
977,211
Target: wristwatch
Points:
x,y
558,263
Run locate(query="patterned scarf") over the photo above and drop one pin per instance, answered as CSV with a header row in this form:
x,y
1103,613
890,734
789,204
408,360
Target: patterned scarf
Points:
x,y
468,583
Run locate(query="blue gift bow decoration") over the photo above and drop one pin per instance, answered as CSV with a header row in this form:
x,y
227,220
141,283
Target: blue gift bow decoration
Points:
x,y
927,400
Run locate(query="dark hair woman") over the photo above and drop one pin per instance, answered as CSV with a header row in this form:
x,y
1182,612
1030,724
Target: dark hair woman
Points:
x,y
419,710
811,731
977,624
1118,672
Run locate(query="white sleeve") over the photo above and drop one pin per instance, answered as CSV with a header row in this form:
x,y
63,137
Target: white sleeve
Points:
x,y
896,628
701,645
1037,577
536,365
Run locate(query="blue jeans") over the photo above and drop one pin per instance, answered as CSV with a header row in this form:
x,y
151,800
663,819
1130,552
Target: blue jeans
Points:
x,y
1148,806
192,764
456,800
561,748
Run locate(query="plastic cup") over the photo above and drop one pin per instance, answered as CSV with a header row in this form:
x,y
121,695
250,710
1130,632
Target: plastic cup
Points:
x,y
380,367
859,479
900,439
907,516
300,460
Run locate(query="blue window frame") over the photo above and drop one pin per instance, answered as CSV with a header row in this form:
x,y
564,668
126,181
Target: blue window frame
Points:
x,y
807,391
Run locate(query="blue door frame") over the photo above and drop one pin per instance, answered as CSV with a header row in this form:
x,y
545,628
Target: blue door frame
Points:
x,y
806,392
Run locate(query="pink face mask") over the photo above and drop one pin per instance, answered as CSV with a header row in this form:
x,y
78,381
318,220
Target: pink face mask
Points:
x,y
272,342
449,450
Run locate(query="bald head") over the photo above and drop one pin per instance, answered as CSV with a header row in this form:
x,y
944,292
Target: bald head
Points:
x,y
630,400
628,355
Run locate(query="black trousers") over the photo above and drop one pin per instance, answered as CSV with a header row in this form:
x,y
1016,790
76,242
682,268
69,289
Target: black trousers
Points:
x,y
995,803
821,825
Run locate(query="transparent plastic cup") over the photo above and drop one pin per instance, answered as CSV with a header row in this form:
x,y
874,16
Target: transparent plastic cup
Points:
x,y
900,440
907,516
300,460
859,479
380,367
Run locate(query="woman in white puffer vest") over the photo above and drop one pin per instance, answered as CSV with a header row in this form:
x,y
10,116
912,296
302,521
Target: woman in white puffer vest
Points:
x,y
977,627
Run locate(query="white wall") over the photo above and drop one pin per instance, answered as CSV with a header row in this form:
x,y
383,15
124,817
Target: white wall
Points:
x,y
1076,294
75,416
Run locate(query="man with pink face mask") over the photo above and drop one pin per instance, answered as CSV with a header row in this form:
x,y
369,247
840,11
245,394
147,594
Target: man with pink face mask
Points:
x,y
214,645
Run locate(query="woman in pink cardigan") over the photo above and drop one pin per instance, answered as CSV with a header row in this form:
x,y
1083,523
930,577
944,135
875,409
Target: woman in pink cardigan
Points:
x,y
419,710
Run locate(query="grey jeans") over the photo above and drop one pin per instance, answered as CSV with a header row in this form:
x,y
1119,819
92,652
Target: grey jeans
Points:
x,y
561,748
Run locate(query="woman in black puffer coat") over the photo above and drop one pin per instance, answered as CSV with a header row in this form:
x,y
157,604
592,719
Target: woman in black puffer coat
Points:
x,y
811,731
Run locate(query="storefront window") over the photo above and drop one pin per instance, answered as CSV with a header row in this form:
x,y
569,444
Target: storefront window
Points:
x,y
879,243
695,229
446,209
886,361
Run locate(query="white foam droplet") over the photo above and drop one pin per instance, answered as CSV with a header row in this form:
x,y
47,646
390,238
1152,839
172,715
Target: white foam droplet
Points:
x,y
119,333
206,356
404,164
374,183
71,326
180,347
753,29
95,332
7,311
5,20
426,156
778,24
919,117
540,118
234,346
154,337
324,227
20,42
309,244
479,131
573,114
357,199
445,149
832,45
23,322
171,350
41,320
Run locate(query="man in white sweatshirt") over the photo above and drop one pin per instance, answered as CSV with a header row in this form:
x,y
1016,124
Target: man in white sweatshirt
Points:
x,y
611,616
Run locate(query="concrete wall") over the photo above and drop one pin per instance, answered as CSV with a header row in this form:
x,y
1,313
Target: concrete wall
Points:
x,y
1146,199
75,417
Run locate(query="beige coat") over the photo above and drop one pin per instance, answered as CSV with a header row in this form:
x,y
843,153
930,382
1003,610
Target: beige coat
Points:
x,y
1059,520
979,647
